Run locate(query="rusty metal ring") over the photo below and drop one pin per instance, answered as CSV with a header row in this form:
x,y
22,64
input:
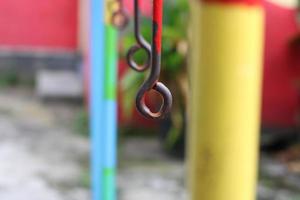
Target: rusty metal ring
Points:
x,y
133,64
120,16
165,108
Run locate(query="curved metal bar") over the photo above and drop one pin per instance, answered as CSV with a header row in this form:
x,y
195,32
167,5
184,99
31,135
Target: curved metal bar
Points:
x,y
166,104
141,43
153,60
152,82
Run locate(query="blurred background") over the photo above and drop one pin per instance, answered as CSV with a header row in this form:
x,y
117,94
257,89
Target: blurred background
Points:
x,y
44,90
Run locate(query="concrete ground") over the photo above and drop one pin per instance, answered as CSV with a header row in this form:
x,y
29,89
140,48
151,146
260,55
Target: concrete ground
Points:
x,y
147,173
41,157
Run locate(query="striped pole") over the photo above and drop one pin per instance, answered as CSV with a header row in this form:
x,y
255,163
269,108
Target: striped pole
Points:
x,y
226,71
110,94
103,103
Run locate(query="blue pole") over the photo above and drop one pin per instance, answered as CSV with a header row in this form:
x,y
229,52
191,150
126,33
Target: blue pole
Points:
x,y
97,118
103,103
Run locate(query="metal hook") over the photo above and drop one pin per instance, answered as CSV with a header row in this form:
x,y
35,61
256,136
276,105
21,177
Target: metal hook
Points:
x,y
154,53
166,104
119,17
141,43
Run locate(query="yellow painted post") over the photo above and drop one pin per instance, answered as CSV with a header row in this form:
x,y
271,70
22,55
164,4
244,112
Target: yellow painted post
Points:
x,y
226,73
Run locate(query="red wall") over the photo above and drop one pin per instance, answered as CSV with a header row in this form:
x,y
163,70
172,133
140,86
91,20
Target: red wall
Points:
x,y
38,23
281,96
145,5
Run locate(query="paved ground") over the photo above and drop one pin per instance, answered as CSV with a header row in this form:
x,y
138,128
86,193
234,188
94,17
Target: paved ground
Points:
x,y
42,158
146,173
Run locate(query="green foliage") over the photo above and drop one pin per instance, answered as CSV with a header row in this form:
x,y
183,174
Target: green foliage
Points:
x,y
85,178
12,78
130,84
174,32
9,79
81,124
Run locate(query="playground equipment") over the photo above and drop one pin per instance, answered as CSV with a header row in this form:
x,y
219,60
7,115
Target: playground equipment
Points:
x,y
103,58
153,62
226,66
226,76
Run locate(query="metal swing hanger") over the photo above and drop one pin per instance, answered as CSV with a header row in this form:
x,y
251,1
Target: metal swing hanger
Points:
x,y
153,62
119,17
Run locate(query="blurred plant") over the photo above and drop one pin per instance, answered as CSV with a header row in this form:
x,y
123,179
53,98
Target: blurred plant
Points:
x,y
12,78
81,123
85,178
174,56
9,79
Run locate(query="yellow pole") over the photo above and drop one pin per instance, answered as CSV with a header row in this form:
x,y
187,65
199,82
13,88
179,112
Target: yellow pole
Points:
x,y
226,71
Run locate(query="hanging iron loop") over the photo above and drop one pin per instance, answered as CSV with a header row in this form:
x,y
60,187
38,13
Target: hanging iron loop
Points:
x,y
141,43
152,82
119,16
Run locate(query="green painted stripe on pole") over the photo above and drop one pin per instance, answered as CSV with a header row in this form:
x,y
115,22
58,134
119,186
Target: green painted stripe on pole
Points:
x,y
109,175
111,60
